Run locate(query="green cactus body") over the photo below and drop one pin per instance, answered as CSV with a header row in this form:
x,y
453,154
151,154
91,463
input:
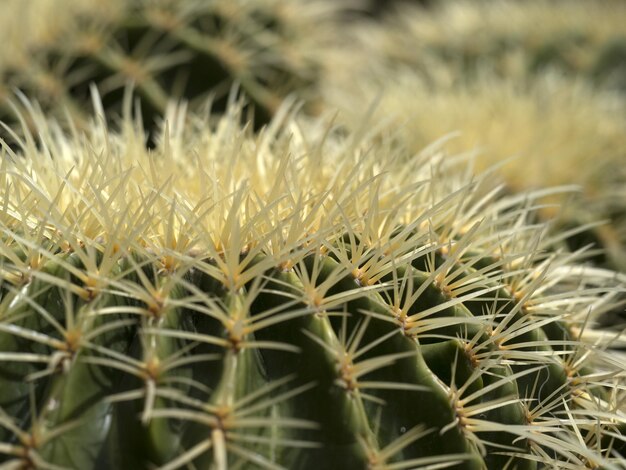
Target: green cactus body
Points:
x,y
296,298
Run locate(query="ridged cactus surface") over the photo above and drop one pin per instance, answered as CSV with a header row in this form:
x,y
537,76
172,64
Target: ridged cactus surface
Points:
x,y
298,298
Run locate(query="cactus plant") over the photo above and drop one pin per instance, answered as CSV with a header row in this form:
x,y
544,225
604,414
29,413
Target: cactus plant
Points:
x,y
302,298
168,49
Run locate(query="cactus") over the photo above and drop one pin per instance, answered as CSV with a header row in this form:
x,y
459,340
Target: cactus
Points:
x,y
168,49
304,297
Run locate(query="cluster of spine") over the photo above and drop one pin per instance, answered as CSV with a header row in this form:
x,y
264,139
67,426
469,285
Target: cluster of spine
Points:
x,y
298,298
167,49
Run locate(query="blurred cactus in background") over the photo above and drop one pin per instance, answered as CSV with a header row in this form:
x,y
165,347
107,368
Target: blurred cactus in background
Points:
x,y
168,49
513,39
